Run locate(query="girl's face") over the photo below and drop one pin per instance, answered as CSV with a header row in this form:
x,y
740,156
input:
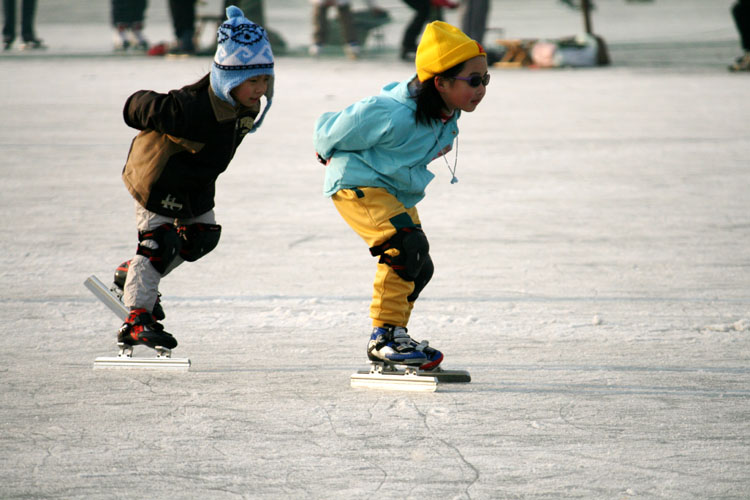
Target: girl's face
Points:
x,y
458,94
249,92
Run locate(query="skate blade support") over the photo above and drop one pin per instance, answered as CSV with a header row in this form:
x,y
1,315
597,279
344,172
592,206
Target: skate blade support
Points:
x,y
106,295
125,359
381,376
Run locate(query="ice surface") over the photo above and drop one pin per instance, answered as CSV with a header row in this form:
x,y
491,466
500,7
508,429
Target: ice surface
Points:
x,y
592,271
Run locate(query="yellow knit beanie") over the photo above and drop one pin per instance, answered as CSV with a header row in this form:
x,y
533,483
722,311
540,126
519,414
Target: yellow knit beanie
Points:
x,y
442,47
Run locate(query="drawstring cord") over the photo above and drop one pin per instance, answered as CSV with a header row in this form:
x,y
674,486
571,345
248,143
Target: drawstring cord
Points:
x,y
454,179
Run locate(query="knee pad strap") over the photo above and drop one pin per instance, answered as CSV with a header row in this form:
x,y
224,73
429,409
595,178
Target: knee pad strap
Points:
x,y
412,252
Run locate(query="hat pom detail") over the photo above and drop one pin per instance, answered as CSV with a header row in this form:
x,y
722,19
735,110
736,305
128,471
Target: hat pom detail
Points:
x,y
234,11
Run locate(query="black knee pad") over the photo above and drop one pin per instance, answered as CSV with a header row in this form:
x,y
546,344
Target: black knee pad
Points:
x,y
413,253
161,245
198,239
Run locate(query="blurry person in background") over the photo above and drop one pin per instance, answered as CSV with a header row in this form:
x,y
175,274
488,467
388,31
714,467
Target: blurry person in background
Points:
x,y
183,21
346,20
741,15
473,14
127,18
413,30
28,11
424,12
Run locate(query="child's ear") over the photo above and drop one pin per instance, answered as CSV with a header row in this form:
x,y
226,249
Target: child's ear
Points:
x,y
440,83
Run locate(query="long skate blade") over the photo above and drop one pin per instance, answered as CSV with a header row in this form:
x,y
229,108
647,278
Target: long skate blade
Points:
x,y
442,376
121,362
105,295
448,376
402,382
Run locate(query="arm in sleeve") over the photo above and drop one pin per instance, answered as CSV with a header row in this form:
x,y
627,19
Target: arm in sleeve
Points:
x,y
358,127
165,113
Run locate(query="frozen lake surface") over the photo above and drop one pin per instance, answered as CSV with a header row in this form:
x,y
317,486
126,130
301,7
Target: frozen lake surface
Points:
x,y
592,271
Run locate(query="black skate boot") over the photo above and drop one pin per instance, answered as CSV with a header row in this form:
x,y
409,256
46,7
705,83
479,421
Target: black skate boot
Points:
x,y
140,328
121,274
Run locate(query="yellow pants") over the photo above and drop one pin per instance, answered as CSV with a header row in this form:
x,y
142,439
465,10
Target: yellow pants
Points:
x,y
376,215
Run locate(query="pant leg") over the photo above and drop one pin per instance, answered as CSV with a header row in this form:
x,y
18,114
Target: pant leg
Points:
x,y
142,283
346,19
376,215
139,10
474,18
413,30
741,15
9,20
320,23
183,19
128,12
124,13
28,11
117,12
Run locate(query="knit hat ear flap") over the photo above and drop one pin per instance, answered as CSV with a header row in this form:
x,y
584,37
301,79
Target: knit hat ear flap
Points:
x,y
442,47
243,51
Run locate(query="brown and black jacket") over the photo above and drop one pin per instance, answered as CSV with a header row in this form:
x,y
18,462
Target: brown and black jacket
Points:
x,y
188,137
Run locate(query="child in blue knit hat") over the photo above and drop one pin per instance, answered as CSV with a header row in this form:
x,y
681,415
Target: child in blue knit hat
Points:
x,y
187,138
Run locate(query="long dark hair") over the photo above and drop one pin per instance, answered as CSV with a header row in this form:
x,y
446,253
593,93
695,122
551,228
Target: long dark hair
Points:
x,y
430,103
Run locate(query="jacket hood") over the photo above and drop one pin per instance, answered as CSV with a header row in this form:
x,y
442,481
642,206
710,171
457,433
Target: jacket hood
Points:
x,y
400,92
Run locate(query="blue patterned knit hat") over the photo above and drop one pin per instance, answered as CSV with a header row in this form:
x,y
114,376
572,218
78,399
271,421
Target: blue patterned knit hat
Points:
x,y
243,51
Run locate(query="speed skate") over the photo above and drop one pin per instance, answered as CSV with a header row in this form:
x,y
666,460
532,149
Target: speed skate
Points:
x,y
390,377
125,359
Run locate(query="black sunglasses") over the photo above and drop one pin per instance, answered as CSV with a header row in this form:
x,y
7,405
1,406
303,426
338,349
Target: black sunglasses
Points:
x,y
475,80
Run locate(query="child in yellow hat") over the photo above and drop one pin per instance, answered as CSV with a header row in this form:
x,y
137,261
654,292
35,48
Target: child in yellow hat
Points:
x,y
376,154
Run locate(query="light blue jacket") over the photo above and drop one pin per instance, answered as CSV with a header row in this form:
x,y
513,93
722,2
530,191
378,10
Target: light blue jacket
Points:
x,y
376,142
